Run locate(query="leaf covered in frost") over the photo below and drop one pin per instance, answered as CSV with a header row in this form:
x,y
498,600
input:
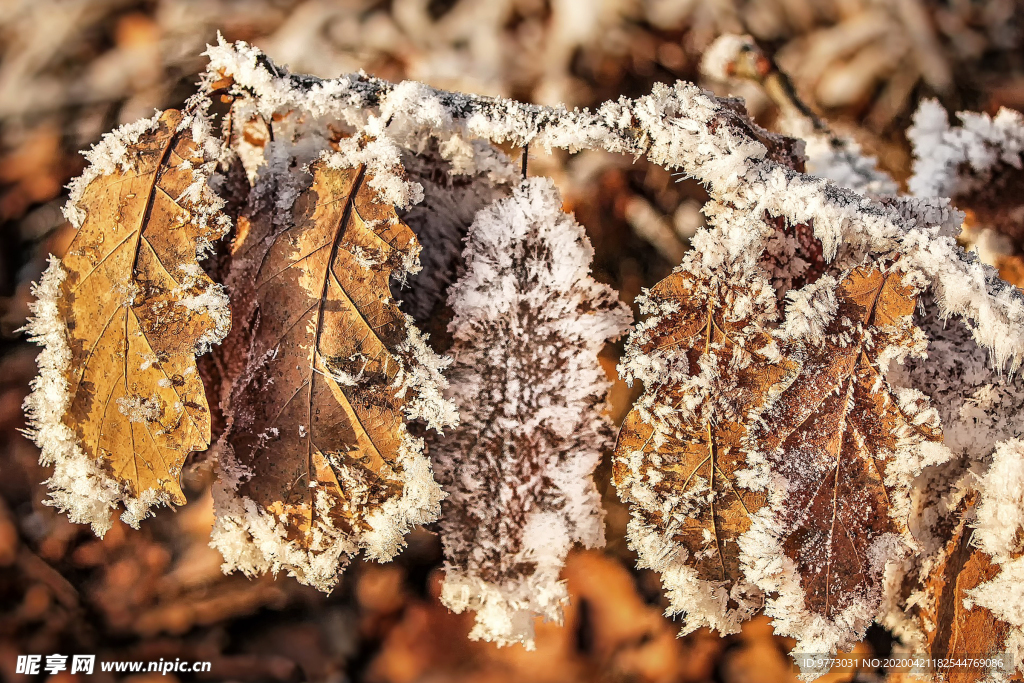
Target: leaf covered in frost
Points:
x,y
679,456
843,447
318,462
529,323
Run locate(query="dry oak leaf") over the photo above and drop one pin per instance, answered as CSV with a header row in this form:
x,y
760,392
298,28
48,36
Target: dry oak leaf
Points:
x,y
680,448
119,405
318,461
843,447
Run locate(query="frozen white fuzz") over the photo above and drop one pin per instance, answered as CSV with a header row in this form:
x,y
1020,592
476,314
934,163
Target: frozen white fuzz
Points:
x,y
951,161
529,323
78,485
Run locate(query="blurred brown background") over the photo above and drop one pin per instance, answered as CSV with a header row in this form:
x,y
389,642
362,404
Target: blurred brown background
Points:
x,y
72,69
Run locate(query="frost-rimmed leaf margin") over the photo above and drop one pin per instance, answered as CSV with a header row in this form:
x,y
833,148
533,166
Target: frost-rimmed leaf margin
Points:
x,y
915,446
79,485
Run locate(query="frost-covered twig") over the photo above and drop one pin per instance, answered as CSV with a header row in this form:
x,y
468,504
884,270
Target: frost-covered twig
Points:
x,y
680,127
829,156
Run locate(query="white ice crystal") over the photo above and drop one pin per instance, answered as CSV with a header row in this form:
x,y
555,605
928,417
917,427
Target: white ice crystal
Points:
x,y
842,161
380,155
112,153
949,162
810,310
1003,597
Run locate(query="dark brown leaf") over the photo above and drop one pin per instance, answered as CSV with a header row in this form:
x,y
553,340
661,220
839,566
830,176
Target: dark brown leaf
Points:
x,y
318,418
846,444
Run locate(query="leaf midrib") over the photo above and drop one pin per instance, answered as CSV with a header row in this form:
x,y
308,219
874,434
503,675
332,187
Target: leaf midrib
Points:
x,y
340,231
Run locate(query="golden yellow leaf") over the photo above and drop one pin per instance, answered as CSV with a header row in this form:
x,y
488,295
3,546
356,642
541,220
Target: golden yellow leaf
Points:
x,y
137,308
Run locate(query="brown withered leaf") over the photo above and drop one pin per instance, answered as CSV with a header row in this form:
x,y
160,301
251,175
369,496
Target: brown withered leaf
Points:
x,y
317,412
689,460
846,443
138,307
